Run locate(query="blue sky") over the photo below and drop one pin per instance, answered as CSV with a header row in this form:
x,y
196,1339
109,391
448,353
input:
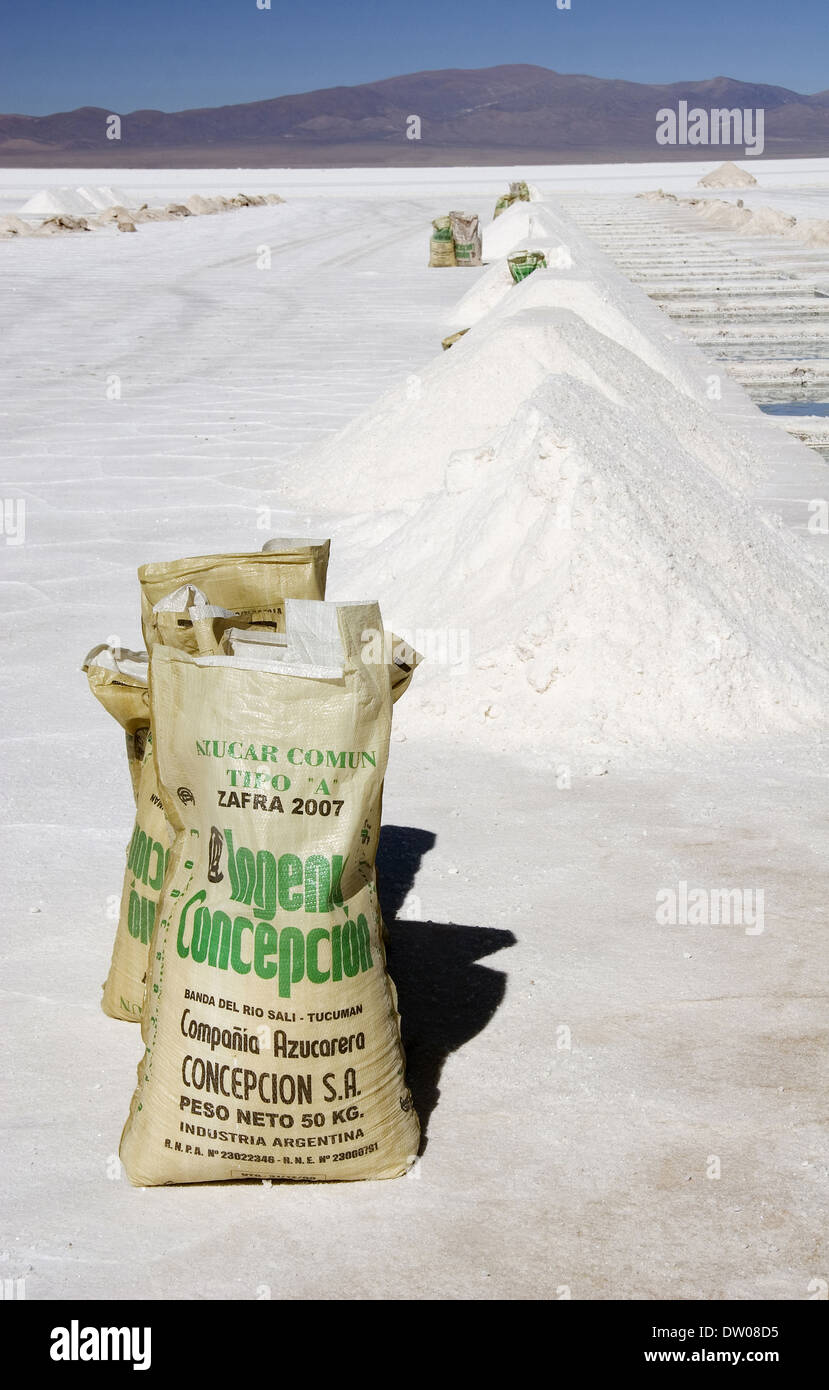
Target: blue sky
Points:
x,y
172,54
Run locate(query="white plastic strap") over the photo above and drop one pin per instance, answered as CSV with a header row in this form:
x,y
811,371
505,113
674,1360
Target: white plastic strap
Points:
x,y
134,665
311,645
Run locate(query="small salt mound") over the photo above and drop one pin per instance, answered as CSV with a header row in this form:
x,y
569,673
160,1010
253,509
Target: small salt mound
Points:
x,y
722,214
813,230
103,196
62,222
273,198
658,195
617,593
56,201
201,207
496,281
728,175
147,214
768,222
117,218
113,214
12,226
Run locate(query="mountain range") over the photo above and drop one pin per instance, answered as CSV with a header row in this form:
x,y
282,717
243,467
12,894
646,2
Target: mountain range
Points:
x,y
501,115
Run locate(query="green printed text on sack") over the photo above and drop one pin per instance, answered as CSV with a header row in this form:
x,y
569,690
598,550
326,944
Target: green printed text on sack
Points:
x,y
287,954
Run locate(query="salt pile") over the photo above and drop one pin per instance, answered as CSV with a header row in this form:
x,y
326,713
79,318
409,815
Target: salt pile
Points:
x,y
203,207
650,339
592,301
722,214
60,223
520,223
728,175
814,231
103,196
558,488
614,591
767,221
148,214
11,226
117,216
403,442
55,201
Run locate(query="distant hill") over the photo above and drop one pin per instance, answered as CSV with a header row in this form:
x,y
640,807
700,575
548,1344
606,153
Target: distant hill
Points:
x,y
501,115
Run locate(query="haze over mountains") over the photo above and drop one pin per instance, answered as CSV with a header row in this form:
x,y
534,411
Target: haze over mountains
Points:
x,y
500,115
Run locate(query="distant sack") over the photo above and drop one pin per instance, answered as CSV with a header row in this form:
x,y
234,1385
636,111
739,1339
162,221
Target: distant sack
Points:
x,y
518,192
272,1038
442,244
452,338
467,237
524,263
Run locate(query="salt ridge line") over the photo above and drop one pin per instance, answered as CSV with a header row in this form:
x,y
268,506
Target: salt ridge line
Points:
x,y
620,573
65,210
